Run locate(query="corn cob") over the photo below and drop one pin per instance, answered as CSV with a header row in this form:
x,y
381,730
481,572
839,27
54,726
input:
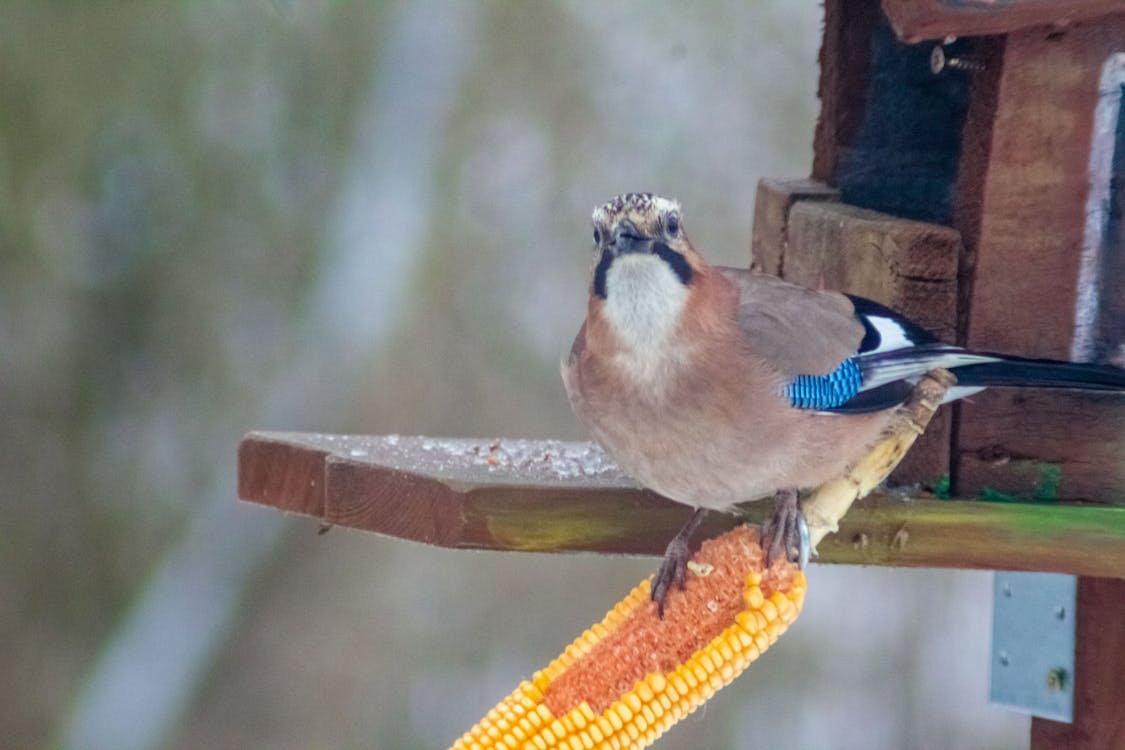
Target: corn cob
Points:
x,y
626,680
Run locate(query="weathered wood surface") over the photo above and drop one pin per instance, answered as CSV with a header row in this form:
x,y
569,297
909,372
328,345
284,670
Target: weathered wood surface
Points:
x,y
1022,276
1099,680
845,63
972,169
916,20
1015,439
909,266
772,204
549,496
1034,196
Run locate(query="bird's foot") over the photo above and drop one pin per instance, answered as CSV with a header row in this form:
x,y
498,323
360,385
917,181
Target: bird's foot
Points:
x,y
673,569
672,572
785,534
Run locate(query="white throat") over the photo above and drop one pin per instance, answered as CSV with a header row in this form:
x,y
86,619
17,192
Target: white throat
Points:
x,y
644,300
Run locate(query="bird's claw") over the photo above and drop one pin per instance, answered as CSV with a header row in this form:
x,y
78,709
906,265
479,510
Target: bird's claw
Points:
x,y
672,572
805,543
785,534
673,569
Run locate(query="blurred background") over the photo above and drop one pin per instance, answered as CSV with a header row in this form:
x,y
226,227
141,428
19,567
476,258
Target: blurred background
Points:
x,y
218,217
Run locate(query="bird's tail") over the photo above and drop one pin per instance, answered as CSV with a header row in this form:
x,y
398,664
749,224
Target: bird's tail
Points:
x,y
1040,373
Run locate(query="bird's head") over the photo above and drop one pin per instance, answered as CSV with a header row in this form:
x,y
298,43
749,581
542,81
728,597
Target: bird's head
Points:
x,y
645,269
641,234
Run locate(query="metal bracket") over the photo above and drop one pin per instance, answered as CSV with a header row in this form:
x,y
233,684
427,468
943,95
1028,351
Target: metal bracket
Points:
x,y
1033,618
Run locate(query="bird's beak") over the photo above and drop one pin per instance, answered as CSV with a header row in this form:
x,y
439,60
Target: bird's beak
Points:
x,y
627,239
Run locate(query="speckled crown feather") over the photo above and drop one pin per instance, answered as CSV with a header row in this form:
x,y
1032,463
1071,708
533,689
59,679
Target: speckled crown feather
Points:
x,y
643,209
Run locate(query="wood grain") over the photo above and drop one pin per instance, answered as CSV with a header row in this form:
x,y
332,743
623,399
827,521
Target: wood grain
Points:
x,y
1025,261
1034,196
916,20
534,498
845,62
774,199
1012,439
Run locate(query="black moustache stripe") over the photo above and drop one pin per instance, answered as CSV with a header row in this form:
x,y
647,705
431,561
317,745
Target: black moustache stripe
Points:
x,y
600,272
676,261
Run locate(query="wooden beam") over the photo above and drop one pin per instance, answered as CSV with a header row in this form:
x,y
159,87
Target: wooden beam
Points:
x,y
916,20
1056,444
845,62
549,496
772,204
910,266
1023,274
1034,196
1099,679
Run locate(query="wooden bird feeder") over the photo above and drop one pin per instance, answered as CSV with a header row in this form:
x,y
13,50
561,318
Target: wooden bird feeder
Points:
x,y
969,170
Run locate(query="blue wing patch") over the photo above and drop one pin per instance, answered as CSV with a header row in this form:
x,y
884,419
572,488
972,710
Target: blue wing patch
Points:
x,y
825,391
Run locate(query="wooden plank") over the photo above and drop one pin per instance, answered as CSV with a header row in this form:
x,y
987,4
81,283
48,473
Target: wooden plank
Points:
x,y
1014,440
288,476
772,204
845,60
972,169
1099,679
1023,295
549,496
909,266
916,20
1023,292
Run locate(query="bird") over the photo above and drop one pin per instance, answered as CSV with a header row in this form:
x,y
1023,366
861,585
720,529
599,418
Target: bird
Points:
x,y
713,386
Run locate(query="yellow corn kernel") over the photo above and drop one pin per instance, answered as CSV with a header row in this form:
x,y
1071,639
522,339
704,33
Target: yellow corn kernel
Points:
x,y
596,733
636,718
753,596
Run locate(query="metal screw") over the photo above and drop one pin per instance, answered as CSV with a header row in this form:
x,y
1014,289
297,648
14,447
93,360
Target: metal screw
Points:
x,y
1056,679
939,62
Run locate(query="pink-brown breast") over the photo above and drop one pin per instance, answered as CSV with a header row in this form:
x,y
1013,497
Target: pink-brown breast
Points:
x,y
713,429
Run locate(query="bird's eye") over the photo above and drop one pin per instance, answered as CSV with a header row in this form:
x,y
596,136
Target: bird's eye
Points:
x,y
672,224
597,236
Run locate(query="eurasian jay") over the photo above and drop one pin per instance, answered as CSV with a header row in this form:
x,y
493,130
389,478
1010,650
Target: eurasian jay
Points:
x,y
713,386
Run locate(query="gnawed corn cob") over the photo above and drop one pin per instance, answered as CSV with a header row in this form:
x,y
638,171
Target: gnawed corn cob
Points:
x,y
629,678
